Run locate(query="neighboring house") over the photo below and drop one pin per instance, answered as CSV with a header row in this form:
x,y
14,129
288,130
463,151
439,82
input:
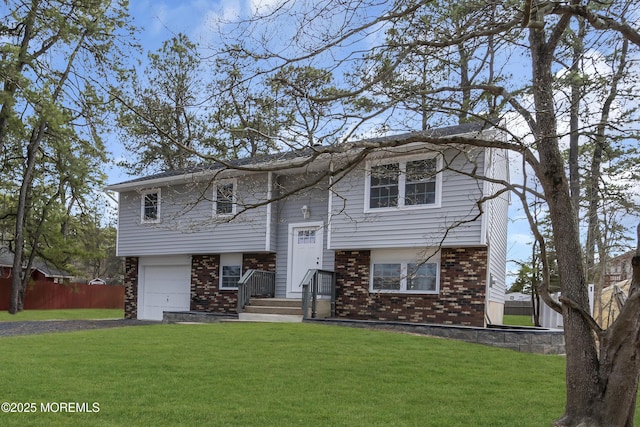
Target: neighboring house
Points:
x,y
384,226
517,296
619,268
518,304
40,270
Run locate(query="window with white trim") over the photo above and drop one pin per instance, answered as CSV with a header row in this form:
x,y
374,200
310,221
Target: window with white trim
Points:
x,y
384,186
402,271
150,206
224,198
230,270
405,183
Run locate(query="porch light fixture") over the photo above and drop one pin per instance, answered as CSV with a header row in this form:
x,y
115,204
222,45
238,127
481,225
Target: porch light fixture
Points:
x,y
306,212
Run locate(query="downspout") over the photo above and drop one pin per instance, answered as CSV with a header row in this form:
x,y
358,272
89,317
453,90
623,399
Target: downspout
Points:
x,y
268,218
485,230
330,205
488,287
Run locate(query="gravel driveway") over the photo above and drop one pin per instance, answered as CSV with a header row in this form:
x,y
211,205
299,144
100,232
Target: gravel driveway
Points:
x,y
46,326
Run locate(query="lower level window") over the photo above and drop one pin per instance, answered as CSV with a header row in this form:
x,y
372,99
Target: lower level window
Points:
x,y
405,277
230,270
387,277
230,276
422,277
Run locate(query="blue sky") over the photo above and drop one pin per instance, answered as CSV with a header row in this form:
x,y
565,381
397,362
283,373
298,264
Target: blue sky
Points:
x,y
196,18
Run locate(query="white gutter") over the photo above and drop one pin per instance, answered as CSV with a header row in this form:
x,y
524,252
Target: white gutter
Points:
x,y
267,243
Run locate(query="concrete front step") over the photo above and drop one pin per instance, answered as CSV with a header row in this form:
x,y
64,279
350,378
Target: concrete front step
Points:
x,y
277,302
258,309
272,310
276,318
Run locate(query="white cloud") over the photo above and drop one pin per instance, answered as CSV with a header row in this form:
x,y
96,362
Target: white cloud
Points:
x,y
263,7
520,239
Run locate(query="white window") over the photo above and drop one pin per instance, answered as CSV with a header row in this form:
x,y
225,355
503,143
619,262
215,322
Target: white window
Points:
x,y
404,271
405,183
150,206
224,198
384,186
230,270
306,237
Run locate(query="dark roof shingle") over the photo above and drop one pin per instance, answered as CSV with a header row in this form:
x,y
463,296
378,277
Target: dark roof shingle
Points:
x,y
303,152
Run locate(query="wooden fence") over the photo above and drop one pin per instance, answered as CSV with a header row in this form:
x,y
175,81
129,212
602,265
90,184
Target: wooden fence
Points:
x,y
44,295
519,308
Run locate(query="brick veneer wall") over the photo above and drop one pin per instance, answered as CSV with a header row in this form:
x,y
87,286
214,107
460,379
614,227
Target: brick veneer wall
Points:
x,y
206,294
205,286
461,299
131,288
259,261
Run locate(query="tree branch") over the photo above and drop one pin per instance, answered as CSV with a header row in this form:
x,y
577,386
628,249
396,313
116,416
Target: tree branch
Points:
x,y
585,315
599,22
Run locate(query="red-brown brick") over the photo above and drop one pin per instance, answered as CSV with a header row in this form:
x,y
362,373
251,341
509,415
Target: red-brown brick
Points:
x,y
461,299
205,286
259,261
206,294
131,288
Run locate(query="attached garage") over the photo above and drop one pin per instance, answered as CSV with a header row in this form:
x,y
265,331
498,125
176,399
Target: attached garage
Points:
x,y
163,285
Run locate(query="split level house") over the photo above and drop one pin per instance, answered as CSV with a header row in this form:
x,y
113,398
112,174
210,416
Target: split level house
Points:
x,y
411,232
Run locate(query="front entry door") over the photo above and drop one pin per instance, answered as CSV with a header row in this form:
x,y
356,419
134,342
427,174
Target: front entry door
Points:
x,y
305,252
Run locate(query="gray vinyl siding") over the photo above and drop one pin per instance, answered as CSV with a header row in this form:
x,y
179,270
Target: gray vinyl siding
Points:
x,y
187,223
353,228
289,212
497,227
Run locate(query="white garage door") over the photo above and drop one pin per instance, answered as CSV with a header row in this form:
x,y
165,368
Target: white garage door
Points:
x,y
163,288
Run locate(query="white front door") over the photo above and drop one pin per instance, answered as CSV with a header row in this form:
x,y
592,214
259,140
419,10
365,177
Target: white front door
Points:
x,y
305,253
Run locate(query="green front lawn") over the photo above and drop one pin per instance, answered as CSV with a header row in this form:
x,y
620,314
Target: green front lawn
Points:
x,y
515,320
69,314
244,374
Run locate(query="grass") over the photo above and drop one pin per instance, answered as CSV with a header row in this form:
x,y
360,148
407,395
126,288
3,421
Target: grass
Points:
x,y
242,374
516,320
69,314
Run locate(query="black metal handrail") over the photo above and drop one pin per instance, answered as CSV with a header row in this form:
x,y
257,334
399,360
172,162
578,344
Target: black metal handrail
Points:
x,y
318,283
255,283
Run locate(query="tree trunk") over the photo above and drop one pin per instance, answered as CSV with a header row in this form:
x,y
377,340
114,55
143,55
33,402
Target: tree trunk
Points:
x,y
620,361
37,134
582,379
17,290
574,118
601,391
535,303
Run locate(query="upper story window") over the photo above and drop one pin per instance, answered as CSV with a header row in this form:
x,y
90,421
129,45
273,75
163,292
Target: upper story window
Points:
x,y
420,184
385,180
225,198
404,183
150,209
